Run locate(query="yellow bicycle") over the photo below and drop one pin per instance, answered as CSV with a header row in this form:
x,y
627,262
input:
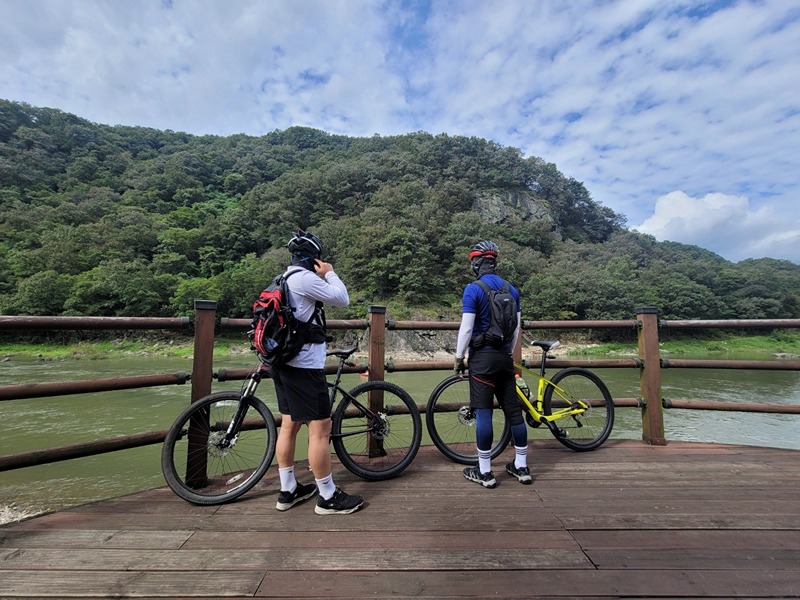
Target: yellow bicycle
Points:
x,y
575,405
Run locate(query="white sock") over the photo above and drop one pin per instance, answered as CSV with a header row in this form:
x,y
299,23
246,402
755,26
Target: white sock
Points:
x,y
288,482
485,461
520,456
326,487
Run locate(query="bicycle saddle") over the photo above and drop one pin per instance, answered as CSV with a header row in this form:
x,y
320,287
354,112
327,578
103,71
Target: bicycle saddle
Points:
x,y
546,346
342,353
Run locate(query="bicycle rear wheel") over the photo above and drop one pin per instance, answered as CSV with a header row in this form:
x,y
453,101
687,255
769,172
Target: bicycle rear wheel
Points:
x,y
590,429
200,466
451,422
378,445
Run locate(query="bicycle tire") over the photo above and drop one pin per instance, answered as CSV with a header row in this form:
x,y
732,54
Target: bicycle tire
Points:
x,y
451,423
382,449
220,474
589,430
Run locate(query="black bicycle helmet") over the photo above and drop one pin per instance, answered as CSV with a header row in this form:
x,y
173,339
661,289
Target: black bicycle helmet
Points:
x,y
484,249
305,243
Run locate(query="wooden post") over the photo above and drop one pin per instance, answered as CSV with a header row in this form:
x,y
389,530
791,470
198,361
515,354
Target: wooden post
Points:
x,y
203,368
650,377
377,342
376,359
202,375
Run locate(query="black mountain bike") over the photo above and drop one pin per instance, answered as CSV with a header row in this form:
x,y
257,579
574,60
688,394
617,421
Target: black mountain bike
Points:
x,y
222,445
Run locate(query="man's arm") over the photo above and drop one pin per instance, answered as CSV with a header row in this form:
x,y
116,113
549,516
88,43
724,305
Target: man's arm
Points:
x,y
327,287
517,332
468,312
464,334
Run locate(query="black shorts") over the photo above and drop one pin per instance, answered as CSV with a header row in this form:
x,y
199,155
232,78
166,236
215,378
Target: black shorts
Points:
x,y
491,375
302,393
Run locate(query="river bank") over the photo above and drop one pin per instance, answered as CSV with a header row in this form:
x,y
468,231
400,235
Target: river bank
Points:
x,y
780,344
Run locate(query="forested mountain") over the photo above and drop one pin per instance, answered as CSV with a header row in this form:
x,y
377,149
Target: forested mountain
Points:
x,y
130,221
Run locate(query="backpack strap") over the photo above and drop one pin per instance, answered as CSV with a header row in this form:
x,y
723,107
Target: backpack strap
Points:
x,y
488,290
284,278
477,340
316,326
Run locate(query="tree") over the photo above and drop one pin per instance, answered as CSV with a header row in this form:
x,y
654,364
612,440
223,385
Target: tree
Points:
x,y
43,293
126,289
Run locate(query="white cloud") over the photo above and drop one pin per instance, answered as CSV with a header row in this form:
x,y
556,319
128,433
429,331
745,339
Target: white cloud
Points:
x,y
635,99
727,224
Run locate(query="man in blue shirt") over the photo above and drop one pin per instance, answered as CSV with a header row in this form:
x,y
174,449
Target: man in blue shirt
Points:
x,y
491,369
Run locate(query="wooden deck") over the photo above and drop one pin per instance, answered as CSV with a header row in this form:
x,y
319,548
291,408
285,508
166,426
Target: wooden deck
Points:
x,y
629,520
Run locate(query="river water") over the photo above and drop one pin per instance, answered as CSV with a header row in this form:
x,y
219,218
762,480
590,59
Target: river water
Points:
x,y
42,423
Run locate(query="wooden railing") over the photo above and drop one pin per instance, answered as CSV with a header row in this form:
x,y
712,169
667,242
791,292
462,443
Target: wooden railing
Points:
x,y
649,363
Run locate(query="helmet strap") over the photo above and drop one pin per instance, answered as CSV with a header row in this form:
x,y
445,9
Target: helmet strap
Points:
x,y
307,262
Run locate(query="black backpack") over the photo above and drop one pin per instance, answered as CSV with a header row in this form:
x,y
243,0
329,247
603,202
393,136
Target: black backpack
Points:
x,y
502,317
276,334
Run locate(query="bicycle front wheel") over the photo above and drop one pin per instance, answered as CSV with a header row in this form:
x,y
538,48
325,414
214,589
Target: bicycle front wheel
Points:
x,y
204,466
451,422
586,430
379,444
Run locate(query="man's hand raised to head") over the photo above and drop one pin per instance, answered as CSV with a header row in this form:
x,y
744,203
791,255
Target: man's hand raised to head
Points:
x,y
322,268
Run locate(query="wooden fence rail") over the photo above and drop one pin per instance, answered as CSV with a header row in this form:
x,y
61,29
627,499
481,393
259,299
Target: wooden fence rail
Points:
x,y
649,364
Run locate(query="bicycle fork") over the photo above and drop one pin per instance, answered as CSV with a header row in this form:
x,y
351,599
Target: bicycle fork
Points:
x,y
232,432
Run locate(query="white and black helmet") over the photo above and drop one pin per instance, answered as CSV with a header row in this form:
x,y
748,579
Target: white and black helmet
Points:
x,y
304,243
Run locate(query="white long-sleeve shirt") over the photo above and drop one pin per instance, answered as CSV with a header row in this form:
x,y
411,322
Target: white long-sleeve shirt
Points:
x,y
305,290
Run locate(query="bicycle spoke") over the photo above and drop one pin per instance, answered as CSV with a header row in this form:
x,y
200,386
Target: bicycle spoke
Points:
x,y
202,465
376,444
451,422
580,428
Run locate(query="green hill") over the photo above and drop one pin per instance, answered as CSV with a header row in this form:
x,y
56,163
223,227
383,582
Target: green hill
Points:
x,y
129,221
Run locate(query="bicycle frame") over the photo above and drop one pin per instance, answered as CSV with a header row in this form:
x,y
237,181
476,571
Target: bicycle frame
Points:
x,y
536,407
336,388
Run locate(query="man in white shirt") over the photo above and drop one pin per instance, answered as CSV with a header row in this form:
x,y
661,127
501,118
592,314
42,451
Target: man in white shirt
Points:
x,y
301,386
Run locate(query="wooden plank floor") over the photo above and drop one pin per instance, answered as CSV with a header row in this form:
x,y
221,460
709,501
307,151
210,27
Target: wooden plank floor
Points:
x,y
627,521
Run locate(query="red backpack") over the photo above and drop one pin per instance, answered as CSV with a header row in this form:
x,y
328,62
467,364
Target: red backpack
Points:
x,y
276,334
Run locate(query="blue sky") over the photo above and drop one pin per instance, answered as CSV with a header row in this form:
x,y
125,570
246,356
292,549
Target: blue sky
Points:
x,y
682,116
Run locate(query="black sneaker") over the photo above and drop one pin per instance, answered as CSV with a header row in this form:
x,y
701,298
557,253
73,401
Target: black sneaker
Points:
x,y
522,474
287,500
338,504
487,480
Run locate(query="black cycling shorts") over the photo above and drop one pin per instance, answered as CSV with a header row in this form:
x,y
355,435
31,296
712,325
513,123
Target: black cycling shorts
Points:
x,y
491,375
302,393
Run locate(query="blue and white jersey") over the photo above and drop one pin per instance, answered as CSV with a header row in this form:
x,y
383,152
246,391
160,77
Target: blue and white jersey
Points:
x,y
475,302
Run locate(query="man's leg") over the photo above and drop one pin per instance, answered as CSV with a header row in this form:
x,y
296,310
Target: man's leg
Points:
x,y
331,499
287,441
507,395
481,393
292,492
319,447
